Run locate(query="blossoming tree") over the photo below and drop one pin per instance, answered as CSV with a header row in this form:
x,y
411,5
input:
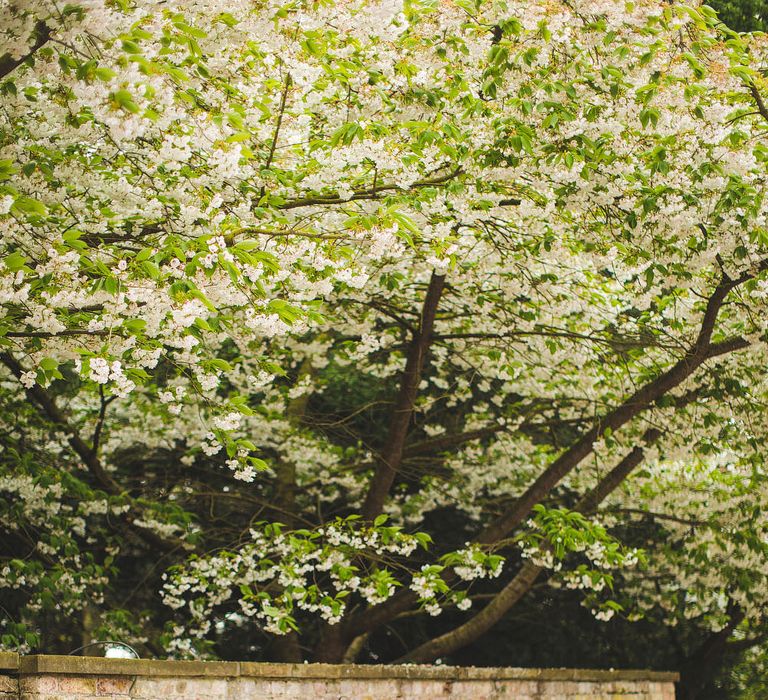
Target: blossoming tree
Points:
x,y
284,282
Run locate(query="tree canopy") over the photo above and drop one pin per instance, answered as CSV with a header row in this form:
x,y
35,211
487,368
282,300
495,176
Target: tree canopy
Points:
x,y
321,317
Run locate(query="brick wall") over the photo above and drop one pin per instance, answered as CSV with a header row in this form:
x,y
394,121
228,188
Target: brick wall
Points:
x,y
94,678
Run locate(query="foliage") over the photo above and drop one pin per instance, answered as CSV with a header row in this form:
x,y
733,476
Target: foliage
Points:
x,y
316,315
742,15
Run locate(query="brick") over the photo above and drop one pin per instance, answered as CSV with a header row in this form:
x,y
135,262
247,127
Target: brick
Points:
x,y
9,685
515,688
77,685
203,688
114,685
39,684
149,689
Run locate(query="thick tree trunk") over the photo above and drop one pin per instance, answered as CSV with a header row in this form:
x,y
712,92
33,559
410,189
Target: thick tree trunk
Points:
x,y
284,497
286,649
391,455
354,649
701,666
332,646
335,639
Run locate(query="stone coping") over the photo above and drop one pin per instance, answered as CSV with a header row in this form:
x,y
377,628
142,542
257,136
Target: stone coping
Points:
x,y
100,666
9,660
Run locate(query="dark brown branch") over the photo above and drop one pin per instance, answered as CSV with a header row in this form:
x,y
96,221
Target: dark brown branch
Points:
x,y
365,194
387,311
480,623
658,516
104,401
620,343
738,646
726,346
281,112
251,500
391,456
39,396
42,35
761,106
611,481
58,334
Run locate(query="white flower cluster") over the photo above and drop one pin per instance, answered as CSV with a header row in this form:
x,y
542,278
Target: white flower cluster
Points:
x,y
473,562
292,561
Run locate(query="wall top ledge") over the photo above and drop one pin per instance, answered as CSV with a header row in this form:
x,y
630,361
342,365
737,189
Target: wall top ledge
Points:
x,y
9,660
100,666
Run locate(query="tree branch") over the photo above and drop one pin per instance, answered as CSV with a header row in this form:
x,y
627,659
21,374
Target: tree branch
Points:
x,y
480,623
391,456
738,646
42,34
281,112
58,334
658,516
444,442
639,401
39,396
761,106
511,593
103,403
365,194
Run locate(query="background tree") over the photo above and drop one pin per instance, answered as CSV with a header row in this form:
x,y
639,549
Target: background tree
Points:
x,y
742,15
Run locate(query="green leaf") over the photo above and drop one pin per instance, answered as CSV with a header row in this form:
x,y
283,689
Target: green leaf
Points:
x,y
105,74
151,269
144,254
6,169
28,205
135,325
131,46
226,18
15,261
124,100
48,364
218,363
